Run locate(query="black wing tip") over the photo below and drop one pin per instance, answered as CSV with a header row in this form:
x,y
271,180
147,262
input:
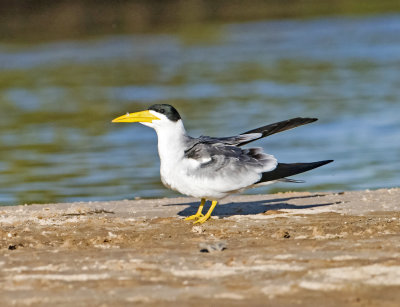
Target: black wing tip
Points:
x,y
307,119
303,120
278,127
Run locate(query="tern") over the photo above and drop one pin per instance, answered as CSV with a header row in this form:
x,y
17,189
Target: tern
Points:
x,y
211,168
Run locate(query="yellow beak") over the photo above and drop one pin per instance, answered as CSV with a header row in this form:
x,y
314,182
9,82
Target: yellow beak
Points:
x,y
141,117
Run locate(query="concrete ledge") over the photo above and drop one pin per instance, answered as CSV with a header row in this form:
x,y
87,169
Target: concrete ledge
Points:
x,y
292,248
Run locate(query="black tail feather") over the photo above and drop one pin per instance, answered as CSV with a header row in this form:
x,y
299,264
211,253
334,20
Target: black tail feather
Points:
x,y
279,127
284,170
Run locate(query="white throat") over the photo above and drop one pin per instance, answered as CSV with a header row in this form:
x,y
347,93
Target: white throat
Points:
x,y
171,142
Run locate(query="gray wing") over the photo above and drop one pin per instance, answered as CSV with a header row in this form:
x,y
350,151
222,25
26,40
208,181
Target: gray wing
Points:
x,y
258,133
217,156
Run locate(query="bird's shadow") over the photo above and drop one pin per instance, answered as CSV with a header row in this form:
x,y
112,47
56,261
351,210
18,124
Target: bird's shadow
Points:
x,y
251,207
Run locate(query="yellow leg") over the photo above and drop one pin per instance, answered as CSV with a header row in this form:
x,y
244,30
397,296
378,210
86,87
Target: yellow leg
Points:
x,y
198,214
208,214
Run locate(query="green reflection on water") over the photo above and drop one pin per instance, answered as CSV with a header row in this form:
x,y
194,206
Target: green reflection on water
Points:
x,y
23,21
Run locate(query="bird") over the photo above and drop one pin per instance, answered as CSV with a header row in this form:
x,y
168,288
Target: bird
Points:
x,y
211,168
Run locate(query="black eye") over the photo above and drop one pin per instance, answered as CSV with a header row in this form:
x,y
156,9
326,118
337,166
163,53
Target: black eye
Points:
x,y
162,111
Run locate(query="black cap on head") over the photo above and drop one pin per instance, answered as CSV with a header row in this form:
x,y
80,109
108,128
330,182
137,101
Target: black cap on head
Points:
x,y
169,111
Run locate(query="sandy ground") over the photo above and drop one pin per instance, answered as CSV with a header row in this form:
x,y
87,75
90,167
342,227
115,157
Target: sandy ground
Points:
x,y
305,249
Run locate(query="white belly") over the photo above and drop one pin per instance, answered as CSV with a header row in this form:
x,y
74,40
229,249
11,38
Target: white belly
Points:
x,y
181,177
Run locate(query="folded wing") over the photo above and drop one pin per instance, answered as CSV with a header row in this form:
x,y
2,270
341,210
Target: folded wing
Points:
x,y
232,167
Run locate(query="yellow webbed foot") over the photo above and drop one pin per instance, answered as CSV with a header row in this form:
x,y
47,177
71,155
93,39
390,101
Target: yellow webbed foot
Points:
x,y
194,217
204,218
198,213
201,220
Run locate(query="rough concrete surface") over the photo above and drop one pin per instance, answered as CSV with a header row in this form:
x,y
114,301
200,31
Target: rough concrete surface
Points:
x,y
305,249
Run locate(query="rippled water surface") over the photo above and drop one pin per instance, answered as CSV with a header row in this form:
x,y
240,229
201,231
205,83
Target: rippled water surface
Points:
x,y
57,100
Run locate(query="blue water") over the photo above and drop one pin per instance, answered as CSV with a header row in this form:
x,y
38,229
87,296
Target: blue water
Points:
x,y
57,100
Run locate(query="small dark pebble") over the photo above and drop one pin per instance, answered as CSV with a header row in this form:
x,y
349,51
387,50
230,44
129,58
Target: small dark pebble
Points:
x,y
12,247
